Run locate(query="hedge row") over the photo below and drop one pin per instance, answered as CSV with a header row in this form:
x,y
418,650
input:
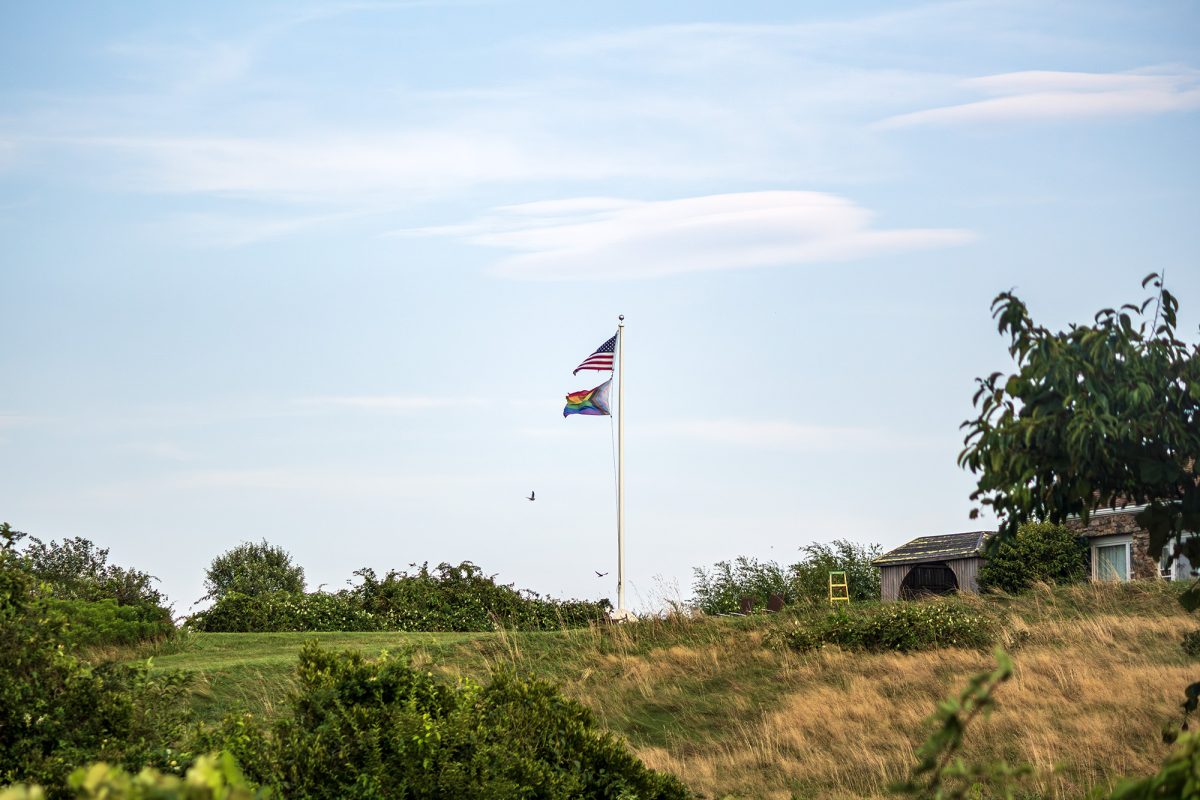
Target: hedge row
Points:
x,y
445,598
897,627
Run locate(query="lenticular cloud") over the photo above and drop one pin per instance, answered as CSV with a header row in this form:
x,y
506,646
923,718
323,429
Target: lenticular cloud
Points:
x,y
606,238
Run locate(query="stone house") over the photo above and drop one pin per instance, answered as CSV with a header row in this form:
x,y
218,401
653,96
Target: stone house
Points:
x,y
1120,550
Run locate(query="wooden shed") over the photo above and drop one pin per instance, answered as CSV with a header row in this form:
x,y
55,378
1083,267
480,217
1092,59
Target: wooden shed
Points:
x,y
932,565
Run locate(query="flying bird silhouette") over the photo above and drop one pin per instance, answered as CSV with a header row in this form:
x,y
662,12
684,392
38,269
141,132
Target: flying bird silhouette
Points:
x,y
532,496
599,574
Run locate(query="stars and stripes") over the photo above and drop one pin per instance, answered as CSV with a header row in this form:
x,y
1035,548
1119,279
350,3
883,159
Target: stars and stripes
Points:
x,y
601,359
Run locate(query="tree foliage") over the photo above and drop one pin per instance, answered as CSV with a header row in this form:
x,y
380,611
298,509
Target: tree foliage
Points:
x,y
720,588
1094,416
447,597
212,777
253,568
1040,551
77,569
810,575
57,711
1099,415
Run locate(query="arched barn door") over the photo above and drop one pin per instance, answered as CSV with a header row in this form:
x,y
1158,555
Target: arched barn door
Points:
x,y
928,579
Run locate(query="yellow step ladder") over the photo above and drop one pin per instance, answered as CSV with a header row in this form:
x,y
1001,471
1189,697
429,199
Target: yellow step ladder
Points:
x,y
839,588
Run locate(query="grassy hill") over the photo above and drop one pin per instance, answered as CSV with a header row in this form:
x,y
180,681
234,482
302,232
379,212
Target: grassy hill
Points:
x,y
1099,670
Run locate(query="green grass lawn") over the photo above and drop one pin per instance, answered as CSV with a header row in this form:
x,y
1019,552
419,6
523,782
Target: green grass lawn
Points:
x,y
253,671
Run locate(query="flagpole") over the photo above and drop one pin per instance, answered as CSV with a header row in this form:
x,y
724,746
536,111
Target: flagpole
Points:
x,y
621,613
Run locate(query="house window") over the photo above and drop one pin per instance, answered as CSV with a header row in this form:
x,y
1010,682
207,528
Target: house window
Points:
x,y
1110,558
1181,568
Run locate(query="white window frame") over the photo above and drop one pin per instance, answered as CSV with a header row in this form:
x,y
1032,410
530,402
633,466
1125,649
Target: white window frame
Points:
x,y
1112,541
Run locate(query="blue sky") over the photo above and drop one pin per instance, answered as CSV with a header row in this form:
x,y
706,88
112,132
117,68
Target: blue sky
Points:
x,y
319,272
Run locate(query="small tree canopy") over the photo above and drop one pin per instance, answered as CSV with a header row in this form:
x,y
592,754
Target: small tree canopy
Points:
x,y
1041,551
1095,416
78,569
251,569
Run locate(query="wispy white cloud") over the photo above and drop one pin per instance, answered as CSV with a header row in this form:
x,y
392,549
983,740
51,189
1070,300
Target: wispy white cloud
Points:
x,y
609,239
1047,95
786,435
394,404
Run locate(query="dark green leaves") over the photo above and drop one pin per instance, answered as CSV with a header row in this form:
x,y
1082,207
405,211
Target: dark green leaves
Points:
x,y
1094,416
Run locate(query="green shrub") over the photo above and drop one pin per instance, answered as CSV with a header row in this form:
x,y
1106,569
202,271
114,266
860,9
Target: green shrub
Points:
x,y
463,598
719,590
1191,643
448,598
92,623
364,728
810,576
286,611
253,569
56,711
212,777
79,570
903,627
1041,551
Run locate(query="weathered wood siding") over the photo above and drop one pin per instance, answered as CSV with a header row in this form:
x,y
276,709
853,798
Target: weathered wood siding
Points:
x,y
966,572
890,578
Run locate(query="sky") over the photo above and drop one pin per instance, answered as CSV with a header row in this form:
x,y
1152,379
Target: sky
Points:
x,y
319,272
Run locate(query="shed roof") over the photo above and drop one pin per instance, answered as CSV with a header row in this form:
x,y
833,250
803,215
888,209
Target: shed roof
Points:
x,y
936,548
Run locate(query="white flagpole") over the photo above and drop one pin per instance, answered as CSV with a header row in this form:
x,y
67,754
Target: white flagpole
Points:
x,y
621,613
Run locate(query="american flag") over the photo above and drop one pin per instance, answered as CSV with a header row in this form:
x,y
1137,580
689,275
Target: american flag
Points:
x,y
601,359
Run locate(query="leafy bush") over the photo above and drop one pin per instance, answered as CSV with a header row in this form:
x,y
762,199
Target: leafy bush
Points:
x,y
719,590
903,627
1041,551
286,611
79,570
810,576
253,569
1191,643
378,728
463,598
448,598
57,711
212,777
84,623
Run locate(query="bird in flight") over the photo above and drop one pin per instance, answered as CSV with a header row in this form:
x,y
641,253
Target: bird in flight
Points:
x,y
532,496
599,574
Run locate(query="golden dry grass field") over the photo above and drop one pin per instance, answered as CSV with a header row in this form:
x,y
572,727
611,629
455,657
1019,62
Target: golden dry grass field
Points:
x,y
1098,672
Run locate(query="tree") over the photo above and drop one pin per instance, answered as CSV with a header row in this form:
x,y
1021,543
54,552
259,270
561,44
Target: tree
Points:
x,y
253,569
1095,416
810,576
1040,551
57,711
79,570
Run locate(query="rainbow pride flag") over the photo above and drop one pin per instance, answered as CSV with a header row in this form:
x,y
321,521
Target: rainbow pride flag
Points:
x,y
589,401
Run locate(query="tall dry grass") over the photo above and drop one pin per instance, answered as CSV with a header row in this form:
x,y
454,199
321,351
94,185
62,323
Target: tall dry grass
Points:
x,y
1098,671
